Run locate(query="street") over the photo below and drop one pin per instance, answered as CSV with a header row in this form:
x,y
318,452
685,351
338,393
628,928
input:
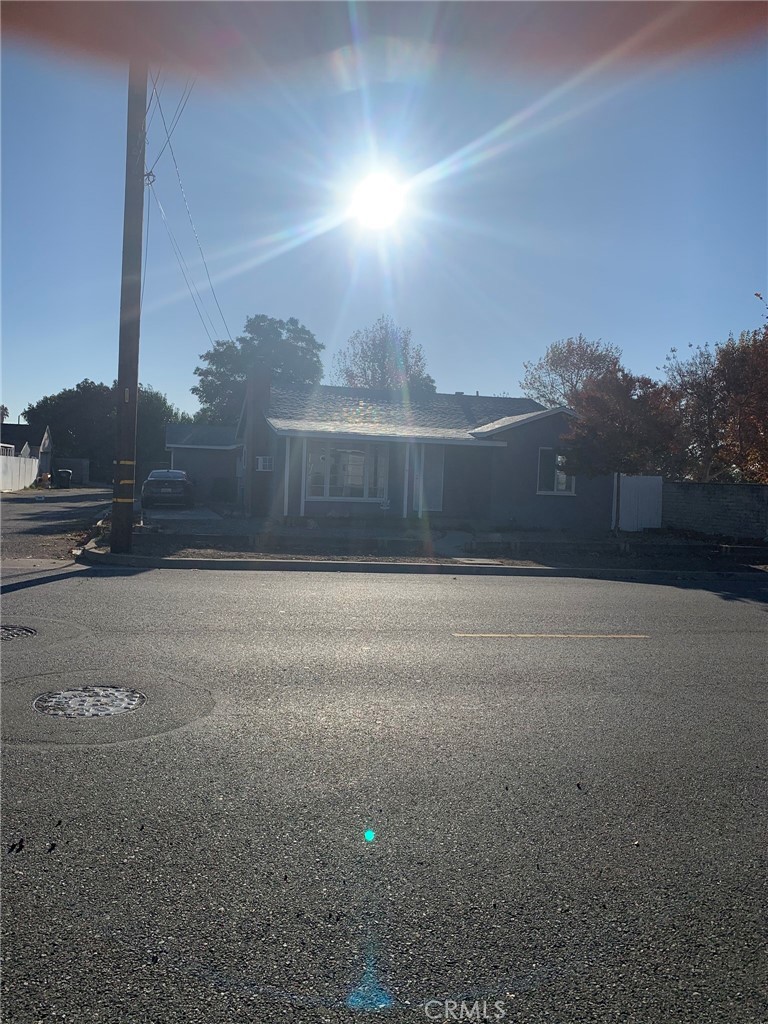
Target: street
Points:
x,y
565,826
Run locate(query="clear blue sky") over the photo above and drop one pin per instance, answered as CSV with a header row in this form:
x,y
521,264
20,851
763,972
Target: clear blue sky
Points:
x,y
632,208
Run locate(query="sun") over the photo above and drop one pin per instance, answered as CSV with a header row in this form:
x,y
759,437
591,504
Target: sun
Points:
x,y
378,201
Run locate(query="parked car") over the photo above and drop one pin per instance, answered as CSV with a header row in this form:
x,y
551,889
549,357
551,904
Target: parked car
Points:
x,y
167,487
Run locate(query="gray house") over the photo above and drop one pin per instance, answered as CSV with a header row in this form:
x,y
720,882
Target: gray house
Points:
x,y
319,451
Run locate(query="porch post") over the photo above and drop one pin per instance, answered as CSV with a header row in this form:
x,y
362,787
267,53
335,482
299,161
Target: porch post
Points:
x,y
303,472
405,479
421,483
287,475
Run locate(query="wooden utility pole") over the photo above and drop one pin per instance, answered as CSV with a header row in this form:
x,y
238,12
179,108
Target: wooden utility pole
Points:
x,y
130,312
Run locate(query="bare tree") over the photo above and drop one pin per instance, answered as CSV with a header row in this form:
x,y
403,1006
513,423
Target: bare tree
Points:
x,y
564,369
382,356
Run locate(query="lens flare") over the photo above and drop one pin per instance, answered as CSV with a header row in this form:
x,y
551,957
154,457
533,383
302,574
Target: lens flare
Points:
x,y
378,201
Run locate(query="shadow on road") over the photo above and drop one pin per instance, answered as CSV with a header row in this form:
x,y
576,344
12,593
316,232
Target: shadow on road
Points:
x,y
54,577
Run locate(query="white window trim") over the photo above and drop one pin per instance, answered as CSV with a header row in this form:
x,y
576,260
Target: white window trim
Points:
x,y
368,446
553,494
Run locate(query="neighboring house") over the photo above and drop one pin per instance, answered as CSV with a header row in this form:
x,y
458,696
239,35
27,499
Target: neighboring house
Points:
x,y
211,457
320,451
29,443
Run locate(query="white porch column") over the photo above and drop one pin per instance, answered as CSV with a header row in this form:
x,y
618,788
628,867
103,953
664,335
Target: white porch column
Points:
x,y
287,476
405,479
421,483
303,473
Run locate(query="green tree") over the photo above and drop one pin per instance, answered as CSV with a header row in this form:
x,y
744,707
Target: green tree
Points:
x,y
83,423
3,413
382,356
286,347
563,371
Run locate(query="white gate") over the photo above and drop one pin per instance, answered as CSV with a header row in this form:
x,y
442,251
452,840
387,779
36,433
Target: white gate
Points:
x,y
639,502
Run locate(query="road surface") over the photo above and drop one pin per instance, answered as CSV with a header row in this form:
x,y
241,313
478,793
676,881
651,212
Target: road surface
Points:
x,y
565,782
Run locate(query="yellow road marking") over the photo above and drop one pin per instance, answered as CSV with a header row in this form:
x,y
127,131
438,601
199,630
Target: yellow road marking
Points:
x,y
556,636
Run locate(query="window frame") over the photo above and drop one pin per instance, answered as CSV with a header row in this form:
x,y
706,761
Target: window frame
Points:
x,y
568,476
367,447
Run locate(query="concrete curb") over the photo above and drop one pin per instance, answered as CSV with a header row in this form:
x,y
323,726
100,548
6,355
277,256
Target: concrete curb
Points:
x,y
89,556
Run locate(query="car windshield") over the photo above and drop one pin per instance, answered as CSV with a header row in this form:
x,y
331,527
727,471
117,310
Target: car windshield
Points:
x,y
167,474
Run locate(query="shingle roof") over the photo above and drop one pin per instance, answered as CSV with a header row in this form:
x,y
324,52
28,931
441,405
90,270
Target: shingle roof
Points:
x,y
199,435
516,421
364,412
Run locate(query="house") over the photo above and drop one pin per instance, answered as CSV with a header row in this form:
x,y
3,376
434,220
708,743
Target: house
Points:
x,y
28,442
317,451
211,457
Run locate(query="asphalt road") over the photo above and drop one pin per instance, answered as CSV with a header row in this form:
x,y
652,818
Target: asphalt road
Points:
x,y
43,524
567,828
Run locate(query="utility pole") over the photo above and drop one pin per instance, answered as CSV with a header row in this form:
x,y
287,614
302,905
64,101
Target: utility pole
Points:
x,y
130,312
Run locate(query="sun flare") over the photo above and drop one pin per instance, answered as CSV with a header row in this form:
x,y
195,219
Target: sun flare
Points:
x,y
378,201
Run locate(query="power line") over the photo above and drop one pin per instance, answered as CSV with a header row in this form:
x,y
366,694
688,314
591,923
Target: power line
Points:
x,y
186,93
192,223
183,267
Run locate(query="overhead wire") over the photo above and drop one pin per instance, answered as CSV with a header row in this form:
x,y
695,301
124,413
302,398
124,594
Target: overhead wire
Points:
x,y
187,92
184,268
191,221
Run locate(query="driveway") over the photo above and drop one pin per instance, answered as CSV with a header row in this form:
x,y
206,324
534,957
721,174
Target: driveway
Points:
x,y
46,524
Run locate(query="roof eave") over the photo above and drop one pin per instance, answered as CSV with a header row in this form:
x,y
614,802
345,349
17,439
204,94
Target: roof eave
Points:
x,y
404,438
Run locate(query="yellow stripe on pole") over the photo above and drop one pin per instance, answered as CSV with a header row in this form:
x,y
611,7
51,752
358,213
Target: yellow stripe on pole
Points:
x,y
122,501
555,636
126,481
126,462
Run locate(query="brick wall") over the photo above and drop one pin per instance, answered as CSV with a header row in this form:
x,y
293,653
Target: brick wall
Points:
x,y
735,511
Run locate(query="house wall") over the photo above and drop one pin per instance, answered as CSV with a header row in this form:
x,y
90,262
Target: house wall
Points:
x,y
735,511
212,471
515,477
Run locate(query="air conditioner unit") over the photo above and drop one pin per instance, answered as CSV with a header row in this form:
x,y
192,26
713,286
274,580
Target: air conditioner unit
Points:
x,y
263,463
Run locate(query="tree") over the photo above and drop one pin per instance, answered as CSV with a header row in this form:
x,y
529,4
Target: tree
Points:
x,y
3,413
697,389
382,356
743,368
83,423
286,347
564,369
623,423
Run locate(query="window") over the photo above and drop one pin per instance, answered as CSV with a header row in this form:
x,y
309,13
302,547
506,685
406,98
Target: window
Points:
x,y
354,472
552,477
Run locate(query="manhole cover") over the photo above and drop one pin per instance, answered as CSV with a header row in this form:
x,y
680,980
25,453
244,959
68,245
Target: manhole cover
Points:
x,y
12,632
89,702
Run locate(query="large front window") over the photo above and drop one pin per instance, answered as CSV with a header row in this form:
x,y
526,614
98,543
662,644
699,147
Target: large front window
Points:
x,y
356,472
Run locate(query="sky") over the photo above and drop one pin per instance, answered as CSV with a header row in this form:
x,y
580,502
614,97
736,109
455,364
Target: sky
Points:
x,y
628,205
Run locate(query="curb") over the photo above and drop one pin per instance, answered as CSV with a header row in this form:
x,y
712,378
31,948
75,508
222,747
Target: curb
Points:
x,y
89,556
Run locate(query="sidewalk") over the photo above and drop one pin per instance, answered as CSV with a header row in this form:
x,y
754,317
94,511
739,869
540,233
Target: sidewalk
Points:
x,y
206,542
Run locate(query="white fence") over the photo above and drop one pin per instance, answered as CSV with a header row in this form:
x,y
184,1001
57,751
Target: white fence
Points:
x,y
639,502
17,473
